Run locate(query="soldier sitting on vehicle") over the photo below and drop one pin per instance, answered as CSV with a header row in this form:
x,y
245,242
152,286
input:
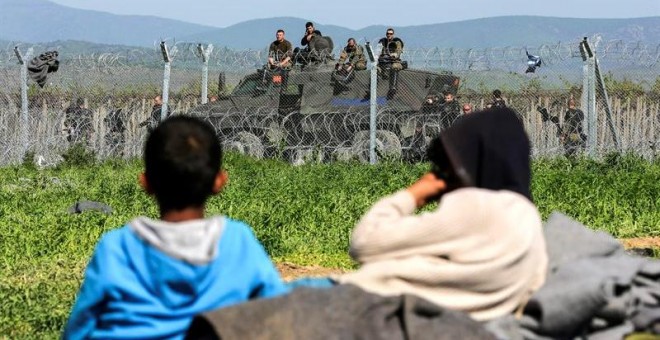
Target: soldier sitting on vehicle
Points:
x,y
279,60
351,59
302,55
389,61
279,52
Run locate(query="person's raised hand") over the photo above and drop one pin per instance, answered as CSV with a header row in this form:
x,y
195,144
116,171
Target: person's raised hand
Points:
x,y
428,186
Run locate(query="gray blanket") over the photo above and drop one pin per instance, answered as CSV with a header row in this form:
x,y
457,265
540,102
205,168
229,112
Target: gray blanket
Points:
x,y
594,290
341,312
39,67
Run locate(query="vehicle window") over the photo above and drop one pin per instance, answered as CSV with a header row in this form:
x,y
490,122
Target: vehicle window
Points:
x,y
247,87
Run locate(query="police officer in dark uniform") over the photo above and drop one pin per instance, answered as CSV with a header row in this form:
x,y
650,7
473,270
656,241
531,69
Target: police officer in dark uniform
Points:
x,y
498,101
114,137
450,109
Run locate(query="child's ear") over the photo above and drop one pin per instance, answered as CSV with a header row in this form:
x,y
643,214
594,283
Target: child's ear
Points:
x,y
142,178
221,180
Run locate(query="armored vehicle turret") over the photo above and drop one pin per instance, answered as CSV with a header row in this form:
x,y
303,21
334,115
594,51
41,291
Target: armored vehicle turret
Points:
x,y
312,113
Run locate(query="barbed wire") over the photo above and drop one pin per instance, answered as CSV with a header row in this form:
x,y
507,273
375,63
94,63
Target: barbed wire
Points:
x,y
126,81
615,51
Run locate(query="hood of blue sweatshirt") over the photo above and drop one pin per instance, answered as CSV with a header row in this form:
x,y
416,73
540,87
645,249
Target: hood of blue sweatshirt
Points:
x,y
176,266
194,241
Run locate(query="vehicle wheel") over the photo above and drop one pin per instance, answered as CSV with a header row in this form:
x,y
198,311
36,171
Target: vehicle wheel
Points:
x,y
388,145
246,143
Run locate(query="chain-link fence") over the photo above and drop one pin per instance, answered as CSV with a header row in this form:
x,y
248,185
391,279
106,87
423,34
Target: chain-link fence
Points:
x,y
107,101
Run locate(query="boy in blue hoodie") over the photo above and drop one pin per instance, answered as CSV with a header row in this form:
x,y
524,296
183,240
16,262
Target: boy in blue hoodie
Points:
x,y
150,277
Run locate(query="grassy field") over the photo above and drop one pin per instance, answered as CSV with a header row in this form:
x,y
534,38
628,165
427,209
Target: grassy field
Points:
x,y
302,214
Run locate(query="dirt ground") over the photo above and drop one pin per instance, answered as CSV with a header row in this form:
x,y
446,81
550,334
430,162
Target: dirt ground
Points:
x,y
641,242
290,271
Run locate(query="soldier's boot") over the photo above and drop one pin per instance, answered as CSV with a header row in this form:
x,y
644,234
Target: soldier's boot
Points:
x,y
394,79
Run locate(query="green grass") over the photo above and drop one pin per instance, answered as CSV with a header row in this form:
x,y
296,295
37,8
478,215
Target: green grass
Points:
x,y
302,215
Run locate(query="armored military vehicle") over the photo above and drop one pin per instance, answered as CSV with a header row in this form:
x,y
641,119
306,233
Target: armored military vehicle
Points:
x,y
313,113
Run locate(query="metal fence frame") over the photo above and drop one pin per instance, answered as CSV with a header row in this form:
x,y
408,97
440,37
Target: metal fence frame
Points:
x,y
184,58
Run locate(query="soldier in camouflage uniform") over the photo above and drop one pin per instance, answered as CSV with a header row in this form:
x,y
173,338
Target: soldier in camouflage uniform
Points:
x,y
572,136
78,123
389,60
390,53
352,57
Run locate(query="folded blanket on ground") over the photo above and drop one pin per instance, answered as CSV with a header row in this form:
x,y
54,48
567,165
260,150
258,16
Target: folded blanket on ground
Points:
x,y
594,289
342,312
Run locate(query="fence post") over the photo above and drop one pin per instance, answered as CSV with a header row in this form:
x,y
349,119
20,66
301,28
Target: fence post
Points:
x,y
589,95
373,104
606,104
25,121
166,80
205,53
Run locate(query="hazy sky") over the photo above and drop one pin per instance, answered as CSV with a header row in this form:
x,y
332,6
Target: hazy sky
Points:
x,y
362,13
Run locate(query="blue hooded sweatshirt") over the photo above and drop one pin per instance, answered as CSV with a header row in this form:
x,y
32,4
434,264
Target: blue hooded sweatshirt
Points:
x,y
149,278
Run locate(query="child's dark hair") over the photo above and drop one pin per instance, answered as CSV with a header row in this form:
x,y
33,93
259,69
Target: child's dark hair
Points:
x,y
182,157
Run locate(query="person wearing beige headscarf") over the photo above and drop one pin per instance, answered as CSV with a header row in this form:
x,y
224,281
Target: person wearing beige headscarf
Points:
x,y
482,250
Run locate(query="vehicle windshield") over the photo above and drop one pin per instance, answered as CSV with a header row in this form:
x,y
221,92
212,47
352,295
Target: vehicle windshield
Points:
x,y
247,87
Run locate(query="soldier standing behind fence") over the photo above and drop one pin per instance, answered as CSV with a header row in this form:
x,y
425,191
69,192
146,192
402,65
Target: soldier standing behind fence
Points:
x,y
498,101
450,110
155,116
114,137
78,123
572,137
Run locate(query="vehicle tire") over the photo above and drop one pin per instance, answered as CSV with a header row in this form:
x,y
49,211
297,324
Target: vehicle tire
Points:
x,y
388,145
246,143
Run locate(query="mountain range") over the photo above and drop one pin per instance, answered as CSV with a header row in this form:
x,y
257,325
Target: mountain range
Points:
x,y
41,21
